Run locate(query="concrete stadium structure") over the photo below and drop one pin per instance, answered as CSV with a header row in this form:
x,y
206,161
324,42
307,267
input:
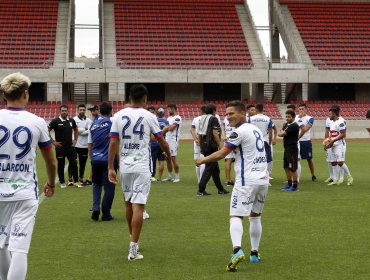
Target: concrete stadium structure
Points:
x,y
70,79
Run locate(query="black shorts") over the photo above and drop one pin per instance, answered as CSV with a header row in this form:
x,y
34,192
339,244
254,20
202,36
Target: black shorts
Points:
x,y
291,159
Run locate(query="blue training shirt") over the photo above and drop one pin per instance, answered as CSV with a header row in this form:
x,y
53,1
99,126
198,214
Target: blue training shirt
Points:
x,y
99,138
162,123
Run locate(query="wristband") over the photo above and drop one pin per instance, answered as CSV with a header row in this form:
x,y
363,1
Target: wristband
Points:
x,y
50,185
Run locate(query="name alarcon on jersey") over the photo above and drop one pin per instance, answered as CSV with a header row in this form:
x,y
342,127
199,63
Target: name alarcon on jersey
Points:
x,y
14,167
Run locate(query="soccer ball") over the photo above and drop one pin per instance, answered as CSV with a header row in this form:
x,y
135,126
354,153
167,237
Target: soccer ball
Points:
x,y
326,141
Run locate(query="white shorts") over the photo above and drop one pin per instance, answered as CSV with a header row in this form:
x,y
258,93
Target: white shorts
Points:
x,y
230,155
329,155
136,187
245,200
173,148
338,152
196,151
17,221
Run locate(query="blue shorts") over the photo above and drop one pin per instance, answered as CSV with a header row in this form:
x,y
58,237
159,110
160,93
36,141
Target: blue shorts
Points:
x,y
305,149
268,152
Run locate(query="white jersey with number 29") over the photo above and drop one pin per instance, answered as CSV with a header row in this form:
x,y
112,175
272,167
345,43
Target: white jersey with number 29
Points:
x,y
133,126
20,133
250,159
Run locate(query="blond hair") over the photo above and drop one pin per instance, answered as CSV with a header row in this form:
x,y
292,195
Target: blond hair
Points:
x,y
13,85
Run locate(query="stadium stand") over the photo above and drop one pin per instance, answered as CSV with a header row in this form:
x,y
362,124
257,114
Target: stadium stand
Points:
x,y
336,34
350,110
180,34
27,33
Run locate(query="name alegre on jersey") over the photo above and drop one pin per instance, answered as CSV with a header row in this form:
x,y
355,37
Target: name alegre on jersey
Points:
x,y
133,127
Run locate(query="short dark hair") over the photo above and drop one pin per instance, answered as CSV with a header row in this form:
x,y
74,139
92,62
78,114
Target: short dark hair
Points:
x,y
209,110
81,106
237,104
290,112
302,105
212,107
138,92
151,107
368,114
63,106
173,106
105,108
291,106
259,107
203,109
249,106
335,109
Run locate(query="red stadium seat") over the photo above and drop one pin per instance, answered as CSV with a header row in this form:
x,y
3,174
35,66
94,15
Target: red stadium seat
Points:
x,y
27,33
180,34
336,34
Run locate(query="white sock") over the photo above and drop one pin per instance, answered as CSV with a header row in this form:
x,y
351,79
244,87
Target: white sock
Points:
x,y
5,260
345,169
18,266
236,231
299,171
177,175
269,167
335,173
330,167
255,232
197,171
170,175
201,171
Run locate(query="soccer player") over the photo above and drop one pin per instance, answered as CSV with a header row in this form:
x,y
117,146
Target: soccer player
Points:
x,y
251,111
63,127
230,158
173,137
305,123
83,125
368,117
194,129
251,181
290,133
264,123
98,142
157,152
20,133
338,146
130,133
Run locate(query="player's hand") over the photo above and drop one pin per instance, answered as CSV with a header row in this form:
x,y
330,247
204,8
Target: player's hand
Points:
x,y
112,176
274,142
49,190
57,144
74,142
199,161
196,141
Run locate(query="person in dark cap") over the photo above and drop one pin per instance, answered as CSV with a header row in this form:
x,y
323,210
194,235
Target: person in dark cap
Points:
x,y
368,117
94,109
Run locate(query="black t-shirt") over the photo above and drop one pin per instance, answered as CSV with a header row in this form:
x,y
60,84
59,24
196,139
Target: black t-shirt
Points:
x,y
215,124
63,130
291,138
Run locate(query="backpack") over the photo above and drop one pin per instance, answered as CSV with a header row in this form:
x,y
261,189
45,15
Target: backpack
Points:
x,y
208,144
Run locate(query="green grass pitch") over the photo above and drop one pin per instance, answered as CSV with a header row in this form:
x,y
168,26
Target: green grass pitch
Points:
x,y
320,232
